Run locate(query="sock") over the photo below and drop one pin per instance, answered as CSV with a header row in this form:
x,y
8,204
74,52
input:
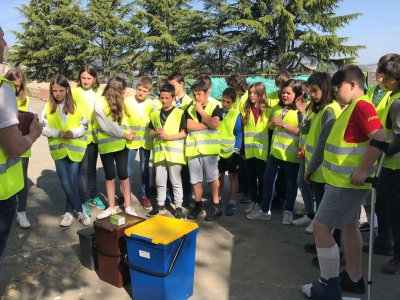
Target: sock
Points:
x,y
329,261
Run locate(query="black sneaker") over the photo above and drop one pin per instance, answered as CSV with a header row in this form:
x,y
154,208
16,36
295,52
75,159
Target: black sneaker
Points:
x,y
156,211
310,248
213,213
350,286
179,213
364,227
196,211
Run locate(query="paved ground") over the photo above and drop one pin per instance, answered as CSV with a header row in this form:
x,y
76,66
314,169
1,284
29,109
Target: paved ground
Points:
x,y
236,258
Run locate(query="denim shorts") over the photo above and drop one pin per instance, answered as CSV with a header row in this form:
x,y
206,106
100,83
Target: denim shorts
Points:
x,y
203,168
340,206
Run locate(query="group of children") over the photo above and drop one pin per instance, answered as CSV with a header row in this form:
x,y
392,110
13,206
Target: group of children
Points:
x,y
322,135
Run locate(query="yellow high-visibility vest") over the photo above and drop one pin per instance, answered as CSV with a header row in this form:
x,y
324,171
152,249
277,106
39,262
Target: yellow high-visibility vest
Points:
x,y
256,137
28,153
285,145
11,174
171,151
206,141
86,100
59,148
341,159
225,130
108,143
381,105
311,139
140,124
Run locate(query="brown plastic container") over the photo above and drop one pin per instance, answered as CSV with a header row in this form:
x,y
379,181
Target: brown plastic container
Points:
x,y
111,249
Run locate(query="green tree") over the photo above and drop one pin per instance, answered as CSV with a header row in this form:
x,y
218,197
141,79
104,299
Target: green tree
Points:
x,y
52,40
116,39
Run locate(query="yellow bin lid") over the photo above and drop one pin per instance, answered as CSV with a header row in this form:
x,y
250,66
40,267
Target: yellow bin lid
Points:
x,y
161,229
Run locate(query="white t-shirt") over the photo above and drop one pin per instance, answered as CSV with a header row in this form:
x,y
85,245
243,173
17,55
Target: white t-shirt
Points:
x,y
8,106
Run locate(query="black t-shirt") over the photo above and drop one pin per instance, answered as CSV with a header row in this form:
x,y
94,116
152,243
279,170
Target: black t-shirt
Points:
x,y
217,112
163,118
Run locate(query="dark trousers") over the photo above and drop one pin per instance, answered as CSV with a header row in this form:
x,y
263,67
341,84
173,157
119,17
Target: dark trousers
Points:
x,y
8,210
87,179
388,210
256,169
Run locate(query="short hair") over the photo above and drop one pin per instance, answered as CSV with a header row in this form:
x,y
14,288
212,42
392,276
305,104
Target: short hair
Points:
x,y
391,67
146,82
178,76
206,79
229,93
349,73
281,77
200,85
168,88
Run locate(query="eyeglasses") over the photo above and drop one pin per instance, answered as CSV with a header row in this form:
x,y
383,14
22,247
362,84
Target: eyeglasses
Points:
x,y
337,87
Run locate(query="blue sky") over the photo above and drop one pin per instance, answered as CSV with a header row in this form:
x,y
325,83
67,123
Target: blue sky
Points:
x,y
378,28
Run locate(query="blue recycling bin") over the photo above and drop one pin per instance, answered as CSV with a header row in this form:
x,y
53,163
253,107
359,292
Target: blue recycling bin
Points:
x,y
161,257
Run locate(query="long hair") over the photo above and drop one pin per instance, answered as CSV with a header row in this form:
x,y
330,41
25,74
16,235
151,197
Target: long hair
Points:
x,y
15,74
69,103
262,101
297,87
323,81
91,70
114,94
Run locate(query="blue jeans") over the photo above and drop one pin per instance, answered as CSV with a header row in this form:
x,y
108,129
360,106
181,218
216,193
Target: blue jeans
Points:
x,y
290,170
305,190
87,180
67,171
8,209
144,156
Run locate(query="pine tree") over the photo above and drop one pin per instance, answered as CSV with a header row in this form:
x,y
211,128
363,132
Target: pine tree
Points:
x,y
51,41
116,38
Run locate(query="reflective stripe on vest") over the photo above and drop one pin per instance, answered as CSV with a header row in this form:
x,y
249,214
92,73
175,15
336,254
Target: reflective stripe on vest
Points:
x,y
140,124
106,142
28,153
312,138
226,128
170,151
256,137
11,174
285,145
59,148
392,161
206,141
341,158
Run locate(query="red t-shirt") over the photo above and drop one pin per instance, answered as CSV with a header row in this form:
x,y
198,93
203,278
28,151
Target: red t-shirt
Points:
x,y
256,113
362,121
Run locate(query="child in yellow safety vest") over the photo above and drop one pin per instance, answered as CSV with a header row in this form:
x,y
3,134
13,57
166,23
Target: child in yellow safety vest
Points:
x,y
17,77
139,108
85,95
168,128
284,147
255,144
352,147
202,148
65,127
231,133
113,133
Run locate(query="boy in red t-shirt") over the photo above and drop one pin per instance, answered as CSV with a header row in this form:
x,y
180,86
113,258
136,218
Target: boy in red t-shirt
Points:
x,y
348,161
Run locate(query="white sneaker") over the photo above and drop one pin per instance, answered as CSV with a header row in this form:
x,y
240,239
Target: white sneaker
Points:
x,y
250,207
259,215
130,211
287,217
83,217
106,213
309,229
66,219
22,220
303,221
